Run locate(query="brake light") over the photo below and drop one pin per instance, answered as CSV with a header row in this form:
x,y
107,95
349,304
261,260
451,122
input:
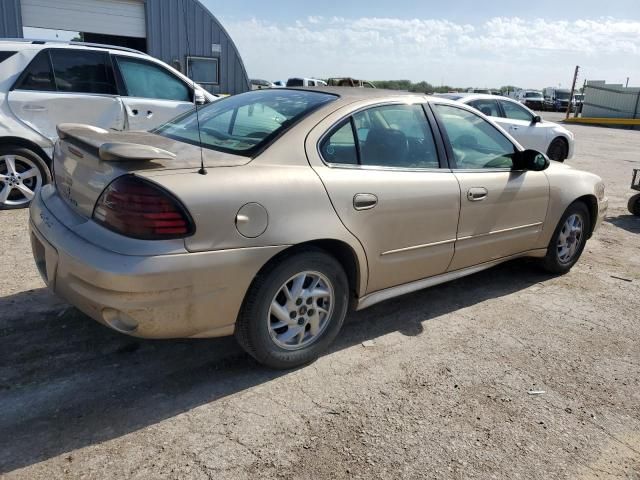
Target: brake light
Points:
x,y
138,208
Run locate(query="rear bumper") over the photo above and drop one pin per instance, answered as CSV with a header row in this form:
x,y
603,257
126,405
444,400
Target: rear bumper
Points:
x,y
166,296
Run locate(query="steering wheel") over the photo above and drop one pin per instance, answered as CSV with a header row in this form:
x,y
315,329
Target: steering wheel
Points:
x,y
216,133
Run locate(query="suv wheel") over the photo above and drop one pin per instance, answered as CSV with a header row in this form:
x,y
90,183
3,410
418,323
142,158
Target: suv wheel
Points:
x,y
294,311
22,174
634,204
568,240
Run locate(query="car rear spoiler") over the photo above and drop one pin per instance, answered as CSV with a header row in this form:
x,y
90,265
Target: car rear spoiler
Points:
x,y
105,145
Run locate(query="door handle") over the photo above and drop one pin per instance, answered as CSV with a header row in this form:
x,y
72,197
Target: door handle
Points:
x,y
477,194
513,127
134,111
364,201
34,108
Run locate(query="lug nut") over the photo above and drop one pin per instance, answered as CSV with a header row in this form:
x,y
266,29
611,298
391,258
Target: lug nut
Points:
x,y
309,301
299,302
311,312
301,321
292,315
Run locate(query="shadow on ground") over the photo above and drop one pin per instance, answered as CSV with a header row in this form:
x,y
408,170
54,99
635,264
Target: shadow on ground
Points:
x,y
630,223
67,382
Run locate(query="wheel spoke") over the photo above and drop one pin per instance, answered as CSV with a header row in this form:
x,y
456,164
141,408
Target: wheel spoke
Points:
x,y
10,160
4,193
298,284
3,177
32,172
314,322
290,334
26,191
280,313
320,292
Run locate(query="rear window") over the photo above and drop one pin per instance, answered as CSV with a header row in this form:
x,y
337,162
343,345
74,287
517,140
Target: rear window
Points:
x,y
244,124
5,55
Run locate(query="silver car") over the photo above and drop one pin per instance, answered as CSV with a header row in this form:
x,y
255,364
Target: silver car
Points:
x,y
269,214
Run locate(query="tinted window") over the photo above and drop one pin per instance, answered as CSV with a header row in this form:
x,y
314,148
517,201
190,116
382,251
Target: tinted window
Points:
x,y
474,141
38,75
488,107
147,80
340,146
5,55
242,124
515,111
295,82
395,136
82,71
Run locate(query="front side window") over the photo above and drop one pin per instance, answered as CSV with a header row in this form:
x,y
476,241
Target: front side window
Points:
x,y
146,80
244,123
476,144
515,111
82,71
38,75
488,107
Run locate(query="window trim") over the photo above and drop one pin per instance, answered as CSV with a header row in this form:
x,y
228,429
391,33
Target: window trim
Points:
x,y
195,57
125,90
442,159
449,149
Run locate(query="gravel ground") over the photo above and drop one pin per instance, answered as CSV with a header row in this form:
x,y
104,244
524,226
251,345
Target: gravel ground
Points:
x,y
440,390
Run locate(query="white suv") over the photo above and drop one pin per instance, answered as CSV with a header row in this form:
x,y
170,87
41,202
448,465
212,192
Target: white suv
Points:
x,y
45,83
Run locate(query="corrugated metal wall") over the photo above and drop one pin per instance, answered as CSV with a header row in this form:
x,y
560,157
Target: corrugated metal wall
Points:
x,y
10,19
167,40
604,100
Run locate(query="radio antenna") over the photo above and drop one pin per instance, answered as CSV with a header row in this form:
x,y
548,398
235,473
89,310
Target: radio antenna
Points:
x,y
203,170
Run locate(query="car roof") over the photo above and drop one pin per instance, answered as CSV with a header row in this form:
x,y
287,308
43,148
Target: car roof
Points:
x,y
355,94
35,43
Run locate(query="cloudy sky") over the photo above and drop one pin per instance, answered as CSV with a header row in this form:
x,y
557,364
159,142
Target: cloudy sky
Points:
x,y
460,43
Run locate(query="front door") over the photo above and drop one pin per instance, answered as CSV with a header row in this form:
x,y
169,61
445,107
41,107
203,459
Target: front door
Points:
x,y
67,86
518,121
502,210
381,170
152,94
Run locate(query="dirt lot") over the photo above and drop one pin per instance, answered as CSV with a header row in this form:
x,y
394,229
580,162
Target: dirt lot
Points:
x,y
442,392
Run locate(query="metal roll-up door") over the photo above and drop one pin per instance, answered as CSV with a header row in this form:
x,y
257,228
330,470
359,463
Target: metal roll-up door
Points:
x,y
108,17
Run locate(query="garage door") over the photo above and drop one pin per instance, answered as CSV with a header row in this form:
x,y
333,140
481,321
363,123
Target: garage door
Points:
x,y
109,17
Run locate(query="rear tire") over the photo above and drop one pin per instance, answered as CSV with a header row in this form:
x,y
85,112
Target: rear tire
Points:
x,y
22,173
294,310
568,240
558,150
634,204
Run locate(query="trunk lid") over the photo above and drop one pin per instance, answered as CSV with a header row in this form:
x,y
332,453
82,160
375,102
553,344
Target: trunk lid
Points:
x,y
87,159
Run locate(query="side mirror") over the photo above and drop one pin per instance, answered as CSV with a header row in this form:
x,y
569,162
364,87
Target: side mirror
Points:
x,y
531,160
199,97
536,119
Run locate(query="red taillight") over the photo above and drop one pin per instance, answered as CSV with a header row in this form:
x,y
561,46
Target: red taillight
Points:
x,y
138,208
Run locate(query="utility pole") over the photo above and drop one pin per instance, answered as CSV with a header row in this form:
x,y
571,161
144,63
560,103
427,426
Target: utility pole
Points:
x,y
573,89
627,82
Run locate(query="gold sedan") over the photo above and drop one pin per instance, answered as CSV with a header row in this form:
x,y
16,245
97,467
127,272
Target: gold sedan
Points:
x,y
268,215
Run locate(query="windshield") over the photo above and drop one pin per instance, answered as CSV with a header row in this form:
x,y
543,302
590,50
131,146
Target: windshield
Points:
x,y
533,95
244,123
562,94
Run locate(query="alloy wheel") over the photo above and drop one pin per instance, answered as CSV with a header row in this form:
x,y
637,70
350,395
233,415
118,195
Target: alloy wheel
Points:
x,y
20,179
570,238
300,311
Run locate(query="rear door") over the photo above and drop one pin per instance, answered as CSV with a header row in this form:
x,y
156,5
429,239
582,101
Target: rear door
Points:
x,y
152,94
502,210
67,85
381,169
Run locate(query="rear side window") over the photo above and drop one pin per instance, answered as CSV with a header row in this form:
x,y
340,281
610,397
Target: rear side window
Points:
x,y
340,146
5,55
146,80
82,71
38,75
295,82
488,107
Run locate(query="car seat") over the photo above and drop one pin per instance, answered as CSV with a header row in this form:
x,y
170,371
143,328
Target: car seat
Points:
x,y
385,147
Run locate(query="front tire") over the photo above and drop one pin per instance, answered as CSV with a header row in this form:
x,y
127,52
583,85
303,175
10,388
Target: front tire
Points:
x,y
634,205
22,174
294,310
568,240
558,150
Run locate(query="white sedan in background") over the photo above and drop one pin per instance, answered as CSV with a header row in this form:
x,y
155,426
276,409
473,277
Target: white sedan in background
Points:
x,y
523,124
